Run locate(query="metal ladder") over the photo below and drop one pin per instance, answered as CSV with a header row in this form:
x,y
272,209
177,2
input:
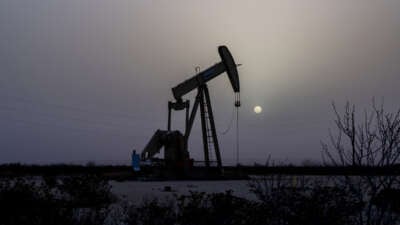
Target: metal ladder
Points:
x,y
210,140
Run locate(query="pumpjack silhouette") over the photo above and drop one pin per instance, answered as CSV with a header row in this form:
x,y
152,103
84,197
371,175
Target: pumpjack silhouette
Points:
x,y
175,143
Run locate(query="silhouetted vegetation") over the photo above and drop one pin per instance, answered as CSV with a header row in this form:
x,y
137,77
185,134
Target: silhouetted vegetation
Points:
x,y
281,199
65,200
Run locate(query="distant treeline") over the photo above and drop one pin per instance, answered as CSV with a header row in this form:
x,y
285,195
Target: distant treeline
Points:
x,y
59,169
17,169
320,170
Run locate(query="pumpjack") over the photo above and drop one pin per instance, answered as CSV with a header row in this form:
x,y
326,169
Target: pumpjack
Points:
x,y
176,154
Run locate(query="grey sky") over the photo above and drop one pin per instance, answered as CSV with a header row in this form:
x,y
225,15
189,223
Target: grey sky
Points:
x,y
90,79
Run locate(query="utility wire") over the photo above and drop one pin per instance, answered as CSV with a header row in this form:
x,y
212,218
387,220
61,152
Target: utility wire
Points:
x,y
67,118
74,108
230,122
90,131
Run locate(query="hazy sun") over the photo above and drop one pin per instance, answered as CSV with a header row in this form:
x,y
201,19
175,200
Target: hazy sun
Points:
x,y
257,109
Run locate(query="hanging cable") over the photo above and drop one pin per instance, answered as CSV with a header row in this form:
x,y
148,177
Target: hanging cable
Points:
x,y
237,136
237,105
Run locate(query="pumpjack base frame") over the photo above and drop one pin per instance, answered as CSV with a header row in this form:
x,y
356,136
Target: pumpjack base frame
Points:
x,y
209,134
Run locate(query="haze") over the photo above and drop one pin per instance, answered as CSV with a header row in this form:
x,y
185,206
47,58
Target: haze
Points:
x,y
89,80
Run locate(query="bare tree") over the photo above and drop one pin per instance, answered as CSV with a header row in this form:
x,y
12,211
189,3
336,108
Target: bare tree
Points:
x,y
373,141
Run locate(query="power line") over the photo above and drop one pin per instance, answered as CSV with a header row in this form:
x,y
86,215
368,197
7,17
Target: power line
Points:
x,y
71,107
86,131
230,122
68,118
